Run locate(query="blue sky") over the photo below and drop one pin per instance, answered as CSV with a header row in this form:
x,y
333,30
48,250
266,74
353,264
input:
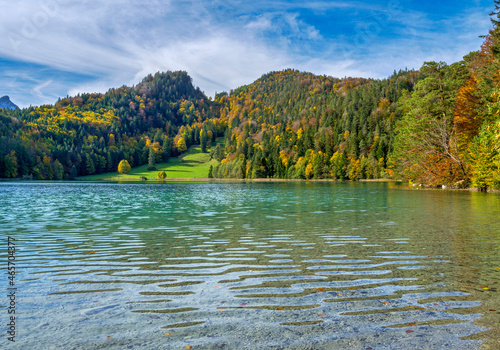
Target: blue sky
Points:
x,y
54,48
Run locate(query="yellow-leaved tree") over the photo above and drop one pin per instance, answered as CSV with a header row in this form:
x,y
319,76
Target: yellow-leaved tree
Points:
x,y
484,151
181,144
162,175
124,167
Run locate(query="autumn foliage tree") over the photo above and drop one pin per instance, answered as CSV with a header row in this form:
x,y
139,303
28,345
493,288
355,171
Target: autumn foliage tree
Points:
x,y
162,175
467,116
181,145
124,167
426,148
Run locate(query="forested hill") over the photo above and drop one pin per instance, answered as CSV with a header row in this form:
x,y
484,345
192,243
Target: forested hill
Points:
x,y
91,133
273,127
291,124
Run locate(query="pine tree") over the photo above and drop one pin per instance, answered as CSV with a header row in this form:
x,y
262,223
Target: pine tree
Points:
x,y
73,173
485,157
495,14
495,33
203,140
151,159
58,170
11,165
90,166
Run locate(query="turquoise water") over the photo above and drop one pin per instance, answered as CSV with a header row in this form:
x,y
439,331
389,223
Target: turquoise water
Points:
x,y
250,266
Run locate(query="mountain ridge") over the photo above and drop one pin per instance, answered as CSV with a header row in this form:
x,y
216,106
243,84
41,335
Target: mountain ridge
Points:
x,y
6,103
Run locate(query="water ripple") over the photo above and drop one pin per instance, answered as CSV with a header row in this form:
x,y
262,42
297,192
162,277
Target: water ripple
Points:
x,y
303,267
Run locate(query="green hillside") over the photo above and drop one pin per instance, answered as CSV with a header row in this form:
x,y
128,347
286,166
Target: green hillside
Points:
x,y
190,165
90,134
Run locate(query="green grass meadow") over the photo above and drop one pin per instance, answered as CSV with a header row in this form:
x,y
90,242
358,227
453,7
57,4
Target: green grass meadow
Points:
x,y
188,166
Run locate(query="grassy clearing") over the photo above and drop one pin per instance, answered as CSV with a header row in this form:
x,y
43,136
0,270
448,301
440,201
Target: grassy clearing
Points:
x,y
191,164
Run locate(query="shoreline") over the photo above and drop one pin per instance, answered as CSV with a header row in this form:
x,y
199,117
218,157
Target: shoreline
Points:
x,y
406,185
206,179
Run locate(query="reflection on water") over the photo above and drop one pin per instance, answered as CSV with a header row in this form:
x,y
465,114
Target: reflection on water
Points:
x,y
252,266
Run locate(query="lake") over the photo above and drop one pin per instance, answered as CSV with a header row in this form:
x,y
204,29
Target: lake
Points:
x,y
249,266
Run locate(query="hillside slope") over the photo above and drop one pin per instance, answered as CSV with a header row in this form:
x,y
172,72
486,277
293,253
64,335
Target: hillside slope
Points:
x,y
91,133
292,124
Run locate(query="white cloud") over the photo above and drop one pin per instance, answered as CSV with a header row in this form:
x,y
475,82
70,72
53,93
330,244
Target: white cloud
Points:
x,y
299,29
260,24
90,46
216,63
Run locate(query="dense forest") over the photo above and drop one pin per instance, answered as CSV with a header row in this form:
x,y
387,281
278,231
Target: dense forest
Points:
x,y
439,125
297,125
91,133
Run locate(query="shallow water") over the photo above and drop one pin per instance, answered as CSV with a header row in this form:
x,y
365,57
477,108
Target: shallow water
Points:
x,y
250,266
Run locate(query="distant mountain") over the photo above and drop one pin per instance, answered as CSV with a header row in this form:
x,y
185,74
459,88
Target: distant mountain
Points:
x,y
6,103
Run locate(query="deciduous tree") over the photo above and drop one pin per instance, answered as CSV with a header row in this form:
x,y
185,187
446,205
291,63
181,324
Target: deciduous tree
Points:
x,y
425,146
124,167
162,175
181,145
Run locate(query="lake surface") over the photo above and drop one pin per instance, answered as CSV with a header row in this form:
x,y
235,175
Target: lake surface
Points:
x,y
250,266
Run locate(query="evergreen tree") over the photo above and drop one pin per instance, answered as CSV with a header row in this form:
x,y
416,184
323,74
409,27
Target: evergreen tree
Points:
x,y
11,165
90,166
203,140
73,173
151,159
58,170
484,155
